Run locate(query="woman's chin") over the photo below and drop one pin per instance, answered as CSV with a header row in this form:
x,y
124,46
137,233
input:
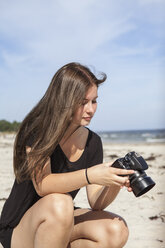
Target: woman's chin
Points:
x,y
85,123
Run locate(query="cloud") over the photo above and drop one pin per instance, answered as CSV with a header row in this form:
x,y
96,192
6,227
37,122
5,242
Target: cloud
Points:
x,y
123,38
46,29
149,2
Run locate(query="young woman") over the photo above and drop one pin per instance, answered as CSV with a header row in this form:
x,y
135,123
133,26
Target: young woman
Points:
x,y
54,156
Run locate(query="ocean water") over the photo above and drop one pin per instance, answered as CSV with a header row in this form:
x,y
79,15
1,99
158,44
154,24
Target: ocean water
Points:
x,y
133,136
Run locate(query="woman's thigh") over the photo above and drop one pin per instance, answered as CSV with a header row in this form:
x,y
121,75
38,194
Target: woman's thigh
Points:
x,y
53,207
99,226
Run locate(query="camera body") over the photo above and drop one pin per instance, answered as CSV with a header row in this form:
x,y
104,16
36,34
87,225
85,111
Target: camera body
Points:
x,y
139,181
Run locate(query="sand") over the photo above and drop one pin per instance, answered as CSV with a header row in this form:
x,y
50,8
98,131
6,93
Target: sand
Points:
x,y
144,215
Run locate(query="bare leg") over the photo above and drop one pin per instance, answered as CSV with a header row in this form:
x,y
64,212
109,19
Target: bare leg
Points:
x,y
95,229
48,223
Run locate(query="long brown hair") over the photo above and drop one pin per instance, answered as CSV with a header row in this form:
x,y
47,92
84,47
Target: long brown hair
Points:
x,y
49,119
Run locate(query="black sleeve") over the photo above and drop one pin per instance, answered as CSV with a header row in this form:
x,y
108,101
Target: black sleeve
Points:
x,y
95,150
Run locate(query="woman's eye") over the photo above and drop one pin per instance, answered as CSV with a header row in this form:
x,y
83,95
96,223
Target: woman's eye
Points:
x,y
84,102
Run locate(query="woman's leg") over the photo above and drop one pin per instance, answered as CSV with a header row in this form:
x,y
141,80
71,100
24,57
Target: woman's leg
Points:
x,y
48,223
97,229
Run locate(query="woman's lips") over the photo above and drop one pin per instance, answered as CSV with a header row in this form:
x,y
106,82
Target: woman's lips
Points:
x,y
87,118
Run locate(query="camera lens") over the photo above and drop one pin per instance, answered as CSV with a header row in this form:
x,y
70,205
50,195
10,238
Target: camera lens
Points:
x,y
140,183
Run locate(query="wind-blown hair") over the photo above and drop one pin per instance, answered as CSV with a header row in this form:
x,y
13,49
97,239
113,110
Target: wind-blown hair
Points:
x,y
50,118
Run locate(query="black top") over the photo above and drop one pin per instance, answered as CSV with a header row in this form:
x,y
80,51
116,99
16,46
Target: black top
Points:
x,y
23,195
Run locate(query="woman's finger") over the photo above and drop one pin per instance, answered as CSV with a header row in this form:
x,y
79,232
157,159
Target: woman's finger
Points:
x,y
122,171
127,183
129,189
121,180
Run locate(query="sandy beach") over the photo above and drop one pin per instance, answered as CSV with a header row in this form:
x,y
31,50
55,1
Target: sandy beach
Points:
x,y
144,215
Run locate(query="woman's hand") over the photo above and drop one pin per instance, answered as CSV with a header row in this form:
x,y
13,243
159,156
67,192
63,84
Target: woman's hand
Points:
x,y
127,185
104,174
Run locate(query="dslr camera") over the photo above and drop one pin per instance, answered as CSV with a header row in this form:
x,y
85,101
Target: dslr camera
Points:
x,y
139,181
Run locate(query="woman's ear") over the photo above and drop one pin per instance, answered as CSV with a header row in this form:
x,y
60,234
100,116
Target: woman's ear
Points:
x,y
28,149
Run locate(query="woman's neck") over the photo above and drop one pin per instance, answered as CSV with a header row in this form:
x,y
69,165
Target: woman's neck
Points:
x,y
73,143
69,132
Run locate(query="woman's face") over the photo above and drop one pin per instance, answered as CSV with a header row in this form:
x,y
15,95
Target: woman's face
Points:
x,y
86,111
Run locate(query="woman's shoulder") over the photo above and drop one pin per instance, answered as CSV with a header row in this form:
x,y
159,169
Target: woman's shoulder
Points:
x,y
93,136
94,148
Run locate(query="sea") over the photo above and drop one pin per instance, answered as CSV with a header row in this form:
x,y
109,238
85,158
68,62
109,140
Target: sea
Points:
x,y
133,136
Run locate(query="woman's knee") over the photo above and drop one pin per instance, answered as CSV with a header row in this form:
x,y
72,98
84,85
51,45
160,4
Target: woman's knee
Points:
x,y
58,208
117,232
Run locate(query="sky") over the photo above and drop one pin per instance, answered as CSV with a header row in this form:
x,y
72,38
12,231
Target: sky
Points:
x,y
124,39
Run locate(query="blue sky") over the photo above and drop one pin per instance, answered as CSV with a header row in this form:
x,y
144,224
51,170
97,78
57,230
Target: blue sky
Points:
x,y
124,38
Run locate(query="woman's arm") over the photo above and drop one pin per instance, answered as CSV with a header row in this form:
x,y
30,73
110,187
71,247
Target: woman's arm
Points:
x,y
67,182
61,182
48,182
99,196
101,174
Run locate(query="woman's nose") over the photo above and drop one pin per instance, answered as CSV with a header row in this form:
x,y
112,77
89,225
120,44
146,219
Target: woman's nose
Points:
x,y
90,108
